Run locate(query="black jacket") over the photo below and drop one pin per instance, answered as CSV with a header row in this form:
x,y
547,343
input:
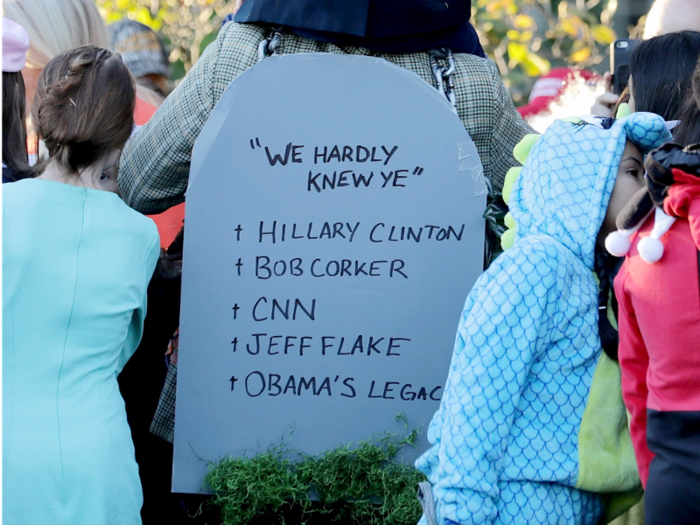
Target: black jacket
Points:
x,y
390,26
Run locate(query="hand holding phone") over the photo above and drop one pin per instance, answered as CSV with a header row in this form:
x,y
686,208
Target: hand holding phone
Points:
x,y
620,57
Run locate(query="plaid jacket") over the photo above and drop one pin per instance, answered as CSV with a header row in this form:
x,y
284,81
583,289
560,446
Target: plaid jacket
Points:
x,y
155,163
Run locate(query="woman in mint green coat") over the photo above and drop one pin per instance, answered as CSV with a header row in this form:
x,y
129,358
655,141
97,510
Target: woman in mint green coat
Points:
x,y
76,266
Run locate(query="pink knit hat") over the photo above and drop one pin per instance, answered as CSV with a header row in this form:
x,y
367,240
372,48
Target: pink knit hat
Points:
x,y
15,42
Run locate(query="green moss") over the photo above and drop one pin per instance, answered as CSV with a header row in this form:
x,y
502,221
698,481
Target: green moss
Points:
x,y
359,485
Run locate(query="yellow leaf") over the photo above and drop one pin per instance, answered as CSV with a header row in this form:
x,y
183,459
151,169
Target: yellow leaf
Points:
x,y
566,26
516,52
571,25
143,15
526,36
523,22
112,17
492,7
512,34
535,65
603,35
581,55
530,69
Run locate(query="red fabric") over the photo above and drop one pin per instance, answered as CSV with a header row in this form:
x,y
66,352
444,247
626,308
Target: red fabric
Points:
x,y
682,197
535,107
681,194
143,112
659,324
169,223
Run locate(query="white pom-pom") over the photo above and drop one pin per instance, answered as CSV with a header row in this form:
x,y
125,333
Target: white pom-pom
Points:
x,y
617,244
650,249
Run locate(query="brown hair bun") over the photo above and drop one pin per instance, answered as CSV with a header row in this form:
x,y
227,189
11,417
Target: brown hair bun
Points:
x,y
84,106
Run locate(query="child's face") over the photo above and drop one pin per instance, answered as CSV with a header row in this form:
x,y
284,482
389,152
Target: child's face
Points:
x,y
105,172
630,179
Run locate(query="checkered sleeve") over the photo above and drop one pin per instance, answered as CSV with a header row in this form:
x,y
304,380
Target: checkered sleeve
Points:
x,y
163,424
156,160
488,114
155,163
508,128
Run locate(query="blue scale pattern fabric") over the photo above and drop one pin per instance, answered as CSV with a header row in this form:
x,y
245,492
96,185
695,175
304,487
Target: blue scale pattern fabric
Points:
x,y
505,444
523,502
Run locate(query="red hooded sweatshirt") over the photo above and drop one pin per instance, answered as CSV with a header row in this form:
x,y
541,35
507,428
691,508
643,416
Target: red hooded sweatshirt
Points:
x,y
659,320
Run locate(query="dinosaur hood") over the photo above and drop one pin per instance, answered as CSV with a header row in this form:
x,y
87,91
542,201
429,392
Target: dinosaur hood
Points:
x,y
565,185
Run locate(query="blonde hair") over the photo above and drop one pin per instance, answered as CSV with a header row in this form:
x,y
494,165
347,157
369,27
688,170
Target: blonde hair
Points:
x,y
55,26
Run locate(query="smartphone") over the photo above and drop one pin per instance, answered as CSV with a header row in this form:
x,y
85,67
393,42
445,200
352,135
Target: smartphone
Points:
x,y
620,55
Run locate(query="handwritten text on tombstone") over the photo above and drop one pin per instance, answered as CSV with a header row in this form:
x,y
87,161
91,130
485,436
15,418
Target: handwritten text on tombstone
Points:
x,y
332,237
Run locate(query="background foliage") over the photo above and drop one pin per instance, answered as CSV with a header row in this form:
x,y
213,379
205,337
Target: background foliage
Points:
x,y
528,37
187,26
524,37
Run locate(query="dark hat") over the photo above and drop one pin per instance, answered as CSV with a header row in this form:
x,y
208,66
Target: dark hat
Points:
x,y
393,26
140,48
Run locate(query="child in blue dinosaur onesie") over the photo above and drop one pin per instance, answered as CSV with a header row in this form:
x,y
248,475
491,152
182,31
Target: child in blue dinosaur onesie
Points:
x,y
506,446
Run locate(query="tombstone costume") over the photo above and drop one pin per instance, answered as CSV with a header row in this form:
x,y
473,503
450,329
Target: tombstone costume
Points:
x,y
155,164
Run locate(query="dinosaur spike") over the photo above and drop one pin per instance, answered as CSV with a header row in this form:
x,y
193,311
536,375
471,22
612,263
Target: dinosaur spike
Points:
x,y
522,149
623,110
512,174
507,239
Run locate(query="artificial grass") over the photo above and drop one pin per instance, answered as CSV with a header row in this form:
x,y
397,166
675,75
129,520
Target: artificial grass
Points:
x,y
348,485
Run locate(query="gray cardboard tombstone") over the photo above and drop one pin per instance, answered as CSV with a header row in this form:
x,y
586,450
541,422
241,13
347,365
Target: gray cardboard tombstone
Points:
x,y
344,263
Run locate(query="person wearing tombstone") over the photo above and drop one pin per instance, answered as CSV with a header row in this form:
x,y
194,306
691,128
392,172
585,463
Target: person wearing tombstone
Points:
x,y
519,436
155,164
